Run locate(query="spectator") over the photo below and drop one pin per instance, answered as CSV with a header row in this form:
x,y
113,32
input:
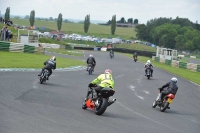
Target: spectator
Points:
x,y
10,36
3,33
1,19
7,34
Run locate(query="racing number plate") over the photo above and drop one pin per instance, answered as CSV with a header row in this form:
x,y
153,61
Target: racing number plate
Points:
x,y
169,100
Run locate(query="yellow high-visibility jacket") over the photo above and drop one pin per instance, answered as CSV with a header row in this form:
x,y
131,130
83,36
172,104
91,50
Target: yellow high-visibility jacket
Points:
x,y
104,80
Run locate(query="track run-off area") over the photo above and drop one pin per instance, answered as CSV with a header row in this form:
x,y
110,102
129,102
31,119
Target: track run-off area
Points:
x,y
26,106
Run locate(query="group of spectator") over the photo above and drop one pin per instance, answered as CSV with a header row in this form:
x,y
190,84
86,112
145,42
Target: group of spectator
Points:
x,y
6,34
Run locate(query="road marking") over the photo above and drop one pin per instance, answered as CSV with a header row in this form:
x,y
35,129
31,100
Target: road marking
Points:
x,y
135,92
119,76
145,91
159,123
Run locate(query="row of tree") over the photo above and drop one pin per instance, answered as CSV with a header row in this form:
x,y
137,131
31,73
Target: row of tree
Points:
x,y
60,20
179,33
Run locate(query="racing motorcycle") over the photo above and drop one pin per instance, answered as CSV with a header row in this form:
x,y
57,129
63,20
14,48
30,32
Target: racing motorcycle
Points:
x,y
135,58
43,77
148,74
164,103
90,69
98,101
111,55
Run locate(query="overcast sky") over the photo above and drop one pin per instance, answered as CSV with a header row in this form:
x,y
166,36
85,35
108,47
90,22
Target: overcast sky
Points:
x,y
143,10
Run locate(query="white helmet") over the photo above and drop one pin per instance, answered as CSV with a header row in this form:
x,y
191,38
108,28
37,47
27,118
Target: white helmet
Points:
x,y
149,61
174,79
91,55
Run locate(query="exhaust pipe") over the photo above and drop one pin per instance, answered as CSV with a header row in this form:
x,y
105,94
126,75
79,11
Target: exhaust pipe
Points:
x,y
111,101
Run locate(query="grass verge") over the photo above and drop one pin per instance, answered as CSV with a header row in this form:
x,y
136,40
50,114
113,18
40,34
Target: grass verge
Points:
x,y
24,60
64,51
184,73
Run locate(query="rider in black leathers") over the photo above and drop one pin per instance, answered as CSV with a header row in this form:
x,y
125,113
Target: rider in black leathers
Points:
x,y
111,52
134,55
49,65
92,61
170,87
148,65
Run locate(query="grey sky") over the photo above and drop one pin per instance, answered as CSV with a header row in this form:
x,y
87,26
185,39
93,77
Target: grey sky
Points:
x,y
143,10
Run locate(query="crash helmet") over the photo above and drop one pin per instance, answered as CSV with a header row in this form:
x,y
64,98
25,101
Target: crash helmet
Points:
x,y
108,71
53,58
174,79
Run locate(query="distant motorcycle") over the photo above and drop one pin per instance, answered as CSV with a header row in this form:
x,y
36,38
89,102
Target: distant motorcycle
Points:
x,y
100,101
148,74
135,58
90,69
164,104
111,55
43,77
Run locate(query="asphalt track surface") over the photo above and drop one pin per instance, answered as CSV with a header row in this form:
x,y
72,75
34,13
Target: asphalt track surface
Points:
x,y
55,107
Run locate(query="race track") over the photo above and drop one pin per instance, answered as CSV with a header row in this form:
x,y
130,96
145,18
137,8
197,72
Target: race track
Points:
x,y
55,107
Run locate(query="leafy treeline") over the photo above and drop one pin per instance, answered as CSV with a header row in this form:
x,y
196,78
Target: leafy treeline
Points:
x,y
123,20
179,33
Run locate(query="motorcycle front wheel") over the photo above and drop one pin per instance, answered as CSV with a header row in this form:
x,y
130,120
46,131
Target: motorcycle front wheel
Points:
x,y
154,104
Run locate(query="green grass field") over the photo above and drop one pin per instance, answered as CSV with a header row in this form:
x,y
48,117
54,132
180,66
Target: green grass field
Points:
x,y
23,60
184,73
94,29
64,51
140,47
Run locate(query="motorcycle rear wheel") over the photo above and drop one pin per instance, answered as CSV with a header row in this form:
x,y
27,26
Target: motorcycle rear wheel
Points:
x,y
102,107
164,106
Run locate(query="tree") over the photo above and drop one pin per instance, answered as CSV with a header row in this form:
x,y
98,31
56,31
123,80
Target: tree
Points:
x,y
59,21
50,19
130,20
123,20
32,18
26,17
141,32
113,24
7,14
86,23
135,21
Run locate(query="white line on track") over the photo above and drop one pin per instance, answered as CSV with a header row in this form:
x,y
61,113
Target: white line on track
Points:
x,y
135,92
152,120
145,91
119,76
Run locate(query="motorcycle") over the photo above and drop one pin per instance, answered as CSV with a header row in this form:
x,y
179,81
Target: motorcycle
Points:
x,y
164,104
148,74
111,55
98,101
135,58
44,76
90,69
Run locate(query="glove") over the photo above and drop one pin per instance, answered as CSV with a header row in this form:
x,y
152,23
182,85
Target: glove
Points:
x,y
90,85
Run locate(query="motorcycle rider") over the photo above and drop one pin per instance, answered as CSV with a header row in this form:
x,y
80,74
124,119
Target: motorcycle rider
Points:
x,y
134,55
148,65
49,65
111,53
104,80
170,87
92,61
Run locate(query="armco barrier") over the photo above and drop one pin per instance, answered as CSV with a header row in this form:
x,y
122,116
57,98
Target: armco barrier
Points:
x,y
175,63
168,62
4,46
29,49
157,59
122,50
198,68
192,66
182,65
